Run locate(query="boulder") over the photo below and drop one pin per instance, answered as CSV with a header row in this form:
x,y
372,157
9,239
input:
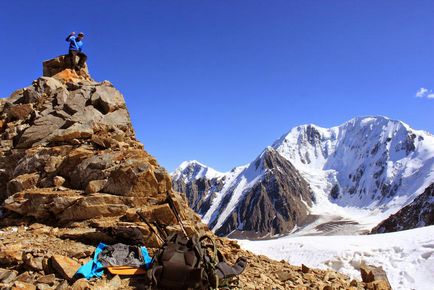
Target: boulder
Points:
x,y
93,206
107,99
61,63
11,254
42,128
161,213
374,275
22,182
65,267
47,279
7,276
58,181
20,111
18,285
95,185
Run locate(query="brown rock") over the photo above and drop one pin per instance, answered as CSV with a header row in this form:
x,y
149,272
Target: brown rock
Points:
x,y
25,277
22,182
95,186
161,213
32,263
63,285
11,254
64,266
59,67
372,273
305,269
58,181
81,284
41,129
21,111
284,276
47,279
18,285
92,206
42,286
7,276
107,99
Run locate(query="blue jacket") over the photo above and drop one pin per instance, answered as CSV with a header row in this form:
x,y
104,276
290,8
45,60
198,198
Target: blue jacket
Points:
x,y
74,44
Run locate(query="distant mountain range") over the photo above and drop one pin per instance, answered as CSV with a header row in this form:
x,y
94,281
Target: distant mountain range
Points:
x,y
314,180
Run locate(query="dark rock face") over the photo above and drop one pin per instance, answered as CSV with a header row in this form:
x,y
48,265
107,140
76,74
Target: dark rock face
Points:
x,y
272,206
197,192
276,203
417,214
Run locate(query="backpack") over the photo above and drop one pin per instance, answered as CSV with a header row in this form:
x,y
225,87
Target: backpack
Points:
x,y
193,263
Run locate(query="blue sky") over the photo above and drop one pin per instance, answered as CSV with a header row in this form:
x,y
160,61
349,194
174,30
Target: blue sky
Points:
x,y
217,81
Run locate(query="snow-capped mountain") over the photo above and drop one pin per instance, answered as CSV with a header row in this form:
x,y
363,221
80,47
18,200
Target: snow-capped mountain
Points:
x,y
360,173
263,198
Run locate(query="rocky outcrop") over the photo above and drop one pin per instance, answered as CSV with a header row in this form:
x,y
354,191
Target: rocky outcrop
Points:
x,y
69,152
271,197
419,213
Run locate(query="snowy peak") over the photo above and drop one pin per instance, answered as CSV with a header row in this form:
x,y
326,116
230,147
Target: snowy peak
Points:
x,y
366,162
193,169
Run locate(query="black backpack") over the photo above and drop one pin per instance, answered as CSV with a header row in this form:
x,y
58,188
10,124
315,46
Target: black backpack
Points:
x,y
193,263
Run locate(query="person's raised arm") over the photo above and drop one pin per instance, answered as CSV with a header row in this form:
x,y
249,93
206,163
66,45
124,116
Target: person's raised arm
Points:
x,y
69,36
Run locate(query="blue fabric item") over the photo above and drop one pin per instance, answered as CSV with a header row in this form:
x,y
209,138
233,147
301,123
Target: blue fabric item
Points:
x,y
146,258
74,44
93,268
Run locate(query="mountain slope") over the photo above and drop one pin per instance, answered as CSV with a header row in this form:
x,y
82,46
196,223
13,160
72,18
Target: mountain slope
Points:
x,y
267,197
419,213
360,173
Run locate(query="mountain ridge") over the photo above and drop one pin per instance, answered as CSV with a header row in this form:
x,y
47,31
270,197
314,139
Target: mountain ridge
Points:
x,y
372,165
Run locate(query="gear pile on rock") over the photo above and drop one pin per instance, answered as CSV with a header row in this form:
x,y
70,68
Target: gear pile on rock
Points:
x,y
72,173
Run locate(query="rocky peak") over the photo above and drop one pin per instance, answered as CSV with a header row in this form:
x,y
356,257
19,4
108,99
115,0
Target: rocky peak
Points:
x,y
68,141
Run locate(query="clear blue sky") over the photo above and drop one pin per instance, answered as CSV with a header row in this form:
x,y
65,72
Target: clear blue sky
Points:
x,y
217,81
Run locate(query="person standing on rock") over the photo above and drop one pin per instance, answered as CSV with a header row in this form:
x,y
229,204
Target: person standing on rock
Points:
x,y
75,49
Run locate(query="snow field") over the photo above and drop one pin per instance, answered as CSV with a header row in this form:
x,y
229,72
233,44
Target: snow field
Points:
x,y
406,256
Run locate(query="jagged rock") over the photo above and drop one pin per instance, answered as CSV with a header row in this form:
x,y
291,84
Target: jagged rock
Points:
x,y
41,129
58,181
63,285
18,285
60,65
64,266
10,254
305,269
107,99
376,276
25,277
7,276
81,284
92,206
20,111
95,185
32,263
47,279
22,182
161,213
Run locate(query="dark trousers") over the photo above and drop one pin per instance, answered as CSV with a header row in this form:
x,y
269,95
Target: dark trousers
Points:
x,y
82,59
